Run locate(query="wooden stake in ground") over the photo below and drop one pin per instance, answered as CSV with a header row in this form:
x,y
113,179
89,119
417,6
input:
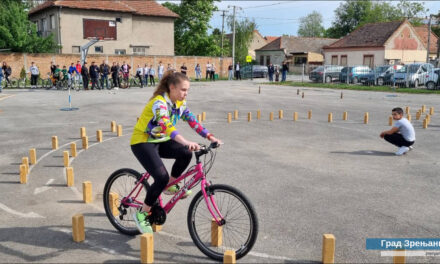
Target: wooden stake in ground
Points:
x,y
229,117
235,114
366,116
345,116
271,116
258,115
249,117
310,114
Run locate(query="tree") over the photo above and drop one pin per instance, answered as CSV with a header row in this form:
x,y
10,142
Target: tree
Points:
x,y
191,28
244,33
311,25
19,34
353,14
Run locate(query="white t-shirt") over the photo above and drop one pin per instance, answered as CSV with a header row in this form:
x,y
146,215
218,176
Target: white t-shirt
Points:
x,y
237,68
160,69
406,129
140,71
208,67
34,70
146,70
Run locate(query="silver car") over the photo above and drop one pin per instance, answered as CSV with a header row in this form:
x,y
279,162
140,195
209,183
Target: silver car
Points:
x,y
415,74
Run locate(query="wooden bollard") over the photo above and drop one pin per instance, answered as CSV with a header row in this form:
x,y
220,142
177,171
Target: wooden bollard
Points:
x,y
390,120
297,91
70,176
25,162
78,232
280,114
423,109
271,116
33,156
258,115
295,116
229,257
54,142
87,192
428,117
99,135
418,114
147,248
249,117
310,114
302,94
113,126
73,149
366,118
431,110
23,175
119,131
330,117
66,158
83,132
114,203
229,117
203,116
156,228
85,142
408,117
216,234
400,259
342,95
345,116
199,118
235,114
425,123
407,110
328,248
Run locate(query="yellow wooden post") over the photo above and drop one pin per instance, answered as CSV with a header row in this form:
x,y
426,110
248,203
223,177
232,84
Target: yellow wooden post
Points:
x,y
203,116
78,232
156,228
73,149
428,117
113,126
85,142
249,117
54,142
114,203
345,116
425,123
23,175
280,114
258,115
390,120
99,135
66,158
295,116
83,132
328,248
366,118
330,117
119,130
407,110
216,234
235,114
33,156
271,116
87,192
418,114
310,114
229,257
70,176
431,110
423,109
25,162
147,248
229,117
409,117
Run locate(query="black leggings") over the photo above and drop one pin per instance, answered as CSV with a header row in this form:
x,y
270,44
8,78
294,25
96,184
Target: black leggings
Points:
x,y
398,140
150,154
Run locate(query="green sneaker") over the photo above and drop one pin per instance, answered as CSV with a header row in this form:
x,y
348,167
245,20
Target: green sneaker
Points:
x,y
175,189
142,223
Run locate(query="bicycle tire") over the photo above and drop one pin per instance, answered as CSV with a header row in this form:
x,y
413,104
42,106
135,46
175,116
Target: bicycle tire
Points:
x,y
131,231
204,244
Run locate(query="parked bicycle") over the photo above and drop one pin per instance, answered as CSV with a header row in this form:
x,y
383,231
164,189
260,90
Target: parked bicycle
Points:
x,y
215,205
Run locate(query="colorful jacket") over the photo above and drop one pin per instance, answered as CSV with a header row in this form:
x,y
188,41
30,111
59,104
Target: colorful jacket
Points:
x,y
158,119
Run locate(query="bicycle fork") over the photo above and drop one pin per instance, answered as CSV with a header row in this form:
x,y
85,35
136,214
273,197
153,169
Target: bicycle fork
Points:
x,y
209,199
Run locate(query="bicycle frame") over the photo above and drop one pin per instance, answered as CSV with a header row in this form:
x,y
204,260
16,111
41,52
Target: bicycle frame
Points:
x,y
197,174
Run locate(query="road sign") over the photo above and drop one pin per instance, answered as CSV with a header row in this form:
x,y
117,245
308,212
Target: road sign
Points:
x,y
248,58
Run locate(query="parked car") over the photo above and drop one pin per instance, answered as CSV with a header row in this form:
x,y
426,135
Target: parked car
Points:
x,y
380,75
415,74
433,83
354,73
331,73
257,71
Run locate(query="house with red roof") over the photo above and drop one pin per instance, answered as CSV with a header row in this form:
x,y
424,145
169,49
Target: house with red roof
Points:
x,y
423,34
132,27
377,44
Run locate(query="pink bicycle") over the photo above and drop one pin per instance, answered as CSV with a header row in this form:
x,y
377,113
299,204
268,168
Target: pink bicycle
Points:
x,y
225,209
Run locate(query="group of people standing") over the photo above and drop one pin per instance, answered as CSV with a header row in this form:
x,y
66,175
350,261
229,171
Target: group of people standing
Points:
x,y
271,69
5,72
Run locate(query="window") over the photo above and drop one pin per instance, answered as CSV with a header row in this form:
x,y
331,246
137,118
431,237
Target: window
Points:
x,y
343,60
139,50
334,60
99,49
267,60
300,60
106,29
52,21
369,60
43,25
120,51
75,49
261,59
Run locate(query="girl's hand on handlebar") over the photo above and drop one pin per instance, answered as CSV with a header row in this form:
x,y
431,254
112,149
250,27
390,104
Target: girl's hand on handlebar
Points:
x,y
213,139
193,146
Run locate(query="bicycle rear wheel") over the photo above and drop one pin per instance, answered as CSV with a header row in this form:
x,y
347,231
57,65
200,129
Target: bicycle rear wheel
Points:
x,y
118,186
239,230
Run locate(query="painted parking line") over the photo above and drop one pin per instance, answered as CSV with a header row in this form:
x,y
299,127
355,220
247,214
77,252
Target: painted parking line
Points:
x,y
12,211
3,97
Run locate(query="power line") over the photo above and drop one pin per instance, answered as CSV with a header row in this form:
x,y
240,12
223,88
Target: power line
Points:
x,y
265,5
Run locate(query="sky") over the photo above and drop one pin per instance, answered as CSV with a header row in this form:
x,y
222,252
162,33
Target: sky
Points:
x,y
275,18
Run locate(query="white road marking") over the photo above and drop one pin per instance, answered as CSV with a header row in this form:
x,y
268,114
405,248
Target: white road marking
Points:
x,y
44,188
28,215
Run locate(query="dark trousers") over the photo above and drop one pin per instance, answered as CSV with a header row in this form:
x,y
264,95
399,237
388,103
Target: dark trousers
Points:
x,y
94,83
152,80
237,75
85,82
271,76
34,79
104,78
212,76
150,154
115,80
398,140
208,74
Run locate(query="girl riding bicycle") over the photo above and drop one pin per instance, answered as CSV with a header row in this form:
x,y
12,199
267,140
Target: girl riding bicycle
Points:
x,y
155,137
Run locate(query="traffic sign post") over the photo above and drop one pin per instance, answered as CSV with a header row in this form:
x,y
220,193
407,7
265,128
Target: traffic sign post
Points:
x,y
249,60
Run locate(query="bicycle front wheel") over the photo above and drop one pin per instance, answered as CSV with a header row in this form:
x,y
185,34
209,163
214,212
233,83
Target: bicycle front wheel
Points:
x,y
118,186
239,229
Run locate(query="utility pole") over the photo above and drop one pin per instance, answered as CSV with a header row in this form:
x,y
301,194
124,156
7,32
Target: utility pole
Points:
x,y
233,35
429,38
223,26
